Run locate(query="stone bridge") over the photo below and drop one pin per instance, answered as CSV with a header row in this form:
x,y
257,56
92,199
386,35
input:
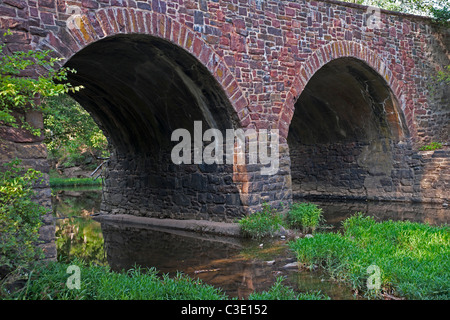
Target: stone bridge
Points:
x,y
351,90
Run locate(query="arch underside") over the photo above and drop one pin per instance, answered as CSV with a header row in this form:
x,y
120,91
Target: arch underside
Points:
x,y
345,134
139,89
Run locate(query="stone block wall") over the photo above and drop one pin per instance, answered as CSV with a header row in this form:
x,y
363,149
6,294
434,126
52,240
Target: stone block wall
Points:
x,y
350,171
158,188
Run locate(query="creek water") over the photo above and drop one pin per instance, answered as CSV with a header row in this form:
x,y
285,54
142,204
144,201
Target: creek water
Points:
x,y
238,266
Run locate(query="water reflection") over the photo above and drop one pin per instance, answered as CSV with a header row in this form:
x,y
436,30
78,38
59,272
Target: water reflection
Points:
x,y
238,266
77,235
337,211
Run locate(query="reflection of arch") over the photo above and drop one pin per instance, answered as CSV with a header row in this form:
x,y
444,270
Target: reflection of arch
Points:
x,y
336,50
145,77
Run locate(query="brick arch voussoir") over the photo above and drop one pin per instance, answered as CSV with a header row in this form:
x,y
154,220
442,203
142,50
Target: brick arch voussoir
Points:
x,y
332,51
94,26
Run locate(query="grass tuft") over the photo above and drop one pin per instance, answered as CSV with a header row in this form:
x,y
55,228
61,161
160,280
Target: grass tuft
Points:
x,y
305,216
261,224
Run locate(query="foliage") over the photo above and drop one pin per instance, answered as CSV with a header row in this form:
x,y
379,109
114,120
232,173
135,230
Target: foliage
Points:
x,y
438,9
262,223
306,216
413,258
431,146
444,75
21,93
70,130
19,216
281,292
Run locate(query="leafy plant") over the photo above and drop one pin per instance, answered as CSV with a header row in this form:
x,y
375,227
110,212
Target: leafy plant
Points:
x,y
444,75
22,93
431,146
262,223
20,216
306,216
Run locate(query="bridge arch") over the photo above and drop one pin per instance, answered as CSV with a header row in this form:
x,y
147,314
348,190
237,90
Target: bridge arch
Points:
x,y
141,82
93,26
348,127
344,49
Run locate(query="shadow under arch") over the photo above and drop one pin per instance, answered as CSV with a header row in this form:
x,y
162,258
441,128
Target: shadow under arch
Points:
x,y
139,89
346,132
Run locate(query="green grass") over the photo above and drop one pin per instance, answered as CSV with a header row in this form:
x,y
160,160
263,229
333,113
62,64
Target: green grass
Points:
x,y
100,283
267,222
281,292
49,282
414,258
305,216
74,182
261,224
